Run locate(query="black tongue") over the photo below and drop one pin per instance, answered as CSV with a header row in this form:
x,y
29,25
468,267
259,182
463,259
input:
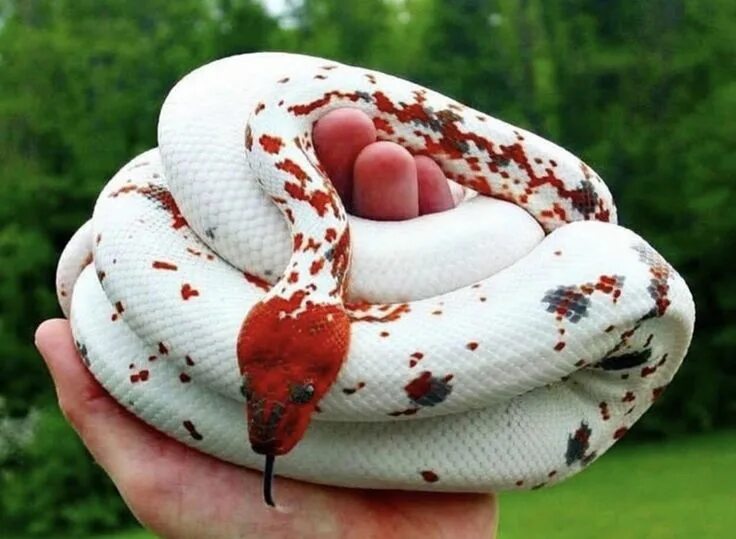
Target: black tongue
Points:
x,y
268,480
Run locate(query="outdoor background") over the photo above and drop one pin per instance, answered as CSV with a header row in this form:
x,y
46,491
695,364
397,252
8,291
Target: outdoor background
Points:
x,y
645,92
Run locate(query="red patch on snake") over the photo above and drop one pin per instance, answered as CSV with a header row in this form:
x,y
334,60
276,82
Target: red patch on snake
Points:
x,y
192,430
657,391
290,167
184,378
162,348
416,357
330,234
382,125
384,334
188,292
620,433
605,413
293,277
194,252
87,260
429,476
472,345
473,163
313,245
428,390
628,397
260,107
301,110
316,266
122,191
119,309
159,194
248,137
298,238
158,264
340,260
141,376
261,283
646,371
392,312
189,360
310,344
319,200
271,144
559,346
351,390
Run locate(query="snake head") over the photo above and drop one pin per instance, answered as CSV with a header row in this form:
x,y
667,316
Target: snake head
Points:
x,y
289,358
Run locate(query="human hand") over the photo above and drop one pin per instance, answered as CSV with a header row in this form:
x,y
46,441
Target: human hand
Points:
x,y
178,492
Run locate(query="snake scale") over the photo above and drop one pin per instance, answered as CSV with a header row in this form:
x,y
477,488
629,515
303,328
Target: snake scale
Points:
x,y
222,294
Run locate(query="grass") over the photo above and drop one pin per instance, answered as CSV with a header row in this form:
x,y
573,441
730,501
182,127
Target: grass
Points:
x,y
670,490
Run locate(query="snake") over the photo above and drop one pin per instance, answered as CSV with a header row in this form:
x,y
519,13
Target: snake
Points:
x,y
221,292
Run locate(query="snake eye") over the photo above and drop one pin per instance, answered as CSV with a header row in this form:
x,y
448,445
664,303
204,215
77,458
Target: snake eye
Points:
x,y
301,393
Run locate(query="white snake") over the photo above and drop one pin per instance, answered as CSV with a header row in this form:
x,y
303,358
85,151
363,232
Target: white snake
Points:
x,y
503,344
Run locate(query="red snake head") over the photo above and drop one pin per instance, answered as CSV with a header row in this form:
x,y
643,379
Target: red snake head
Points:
x,y
289,352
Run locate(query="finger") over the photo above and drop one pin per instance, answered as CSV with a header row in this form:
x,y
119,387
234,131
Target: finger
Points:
x,y
108,431
385,183
338,138
434,191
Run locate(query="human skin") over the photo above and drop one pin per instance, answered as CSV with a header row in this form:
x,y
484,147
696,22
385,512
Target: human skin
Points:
x,y
178,492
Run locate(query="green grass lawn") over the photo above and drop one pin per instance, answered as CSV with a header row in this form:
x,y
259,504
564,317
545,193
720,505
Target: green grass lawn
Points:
x,y
678,489
672,490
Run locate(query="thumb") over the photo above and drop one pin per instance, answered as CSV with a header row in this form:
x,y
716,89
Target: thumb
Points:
x,y
110,433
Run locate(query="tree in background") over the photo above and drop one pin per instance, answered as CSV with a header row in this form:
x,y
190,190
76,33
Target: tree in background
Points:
x,y
643,91
81,83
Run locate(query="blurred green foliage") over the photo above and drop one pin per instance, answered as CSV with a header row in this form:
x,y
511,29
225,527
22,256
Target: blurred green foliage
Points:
x,y
644,91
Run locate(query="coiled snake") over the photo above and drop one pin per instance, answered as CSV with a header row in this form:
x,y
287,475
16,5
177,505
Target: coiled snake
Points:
x,y
503,344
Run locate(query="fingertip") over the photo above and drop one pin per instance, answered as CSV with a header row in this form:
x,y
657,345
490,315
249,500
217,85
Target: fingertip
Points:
x,y
47,330
77,390
53,340
385,183
434,190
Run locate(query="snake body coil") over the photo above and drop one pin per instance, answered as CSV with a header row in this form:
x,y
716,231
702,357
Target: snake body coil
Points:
x,y
503,344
